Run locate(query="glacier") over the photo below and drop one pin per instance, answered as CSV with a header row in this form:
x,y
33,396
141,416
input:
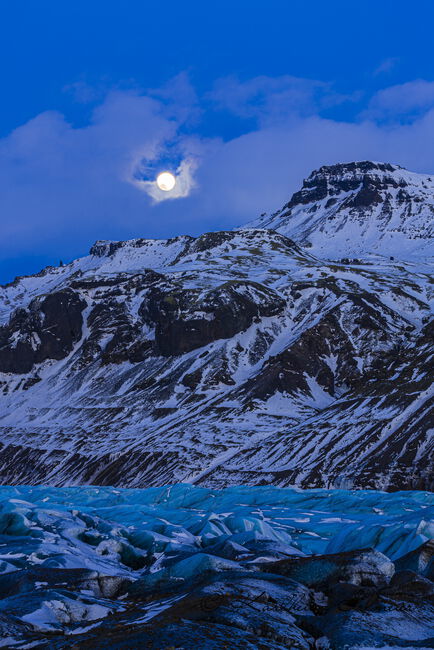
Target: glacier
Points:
x,y
87,562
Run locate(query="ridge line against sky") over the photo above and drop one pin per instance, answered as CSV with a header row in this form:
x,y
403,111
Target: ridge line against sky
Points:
x,y
77,157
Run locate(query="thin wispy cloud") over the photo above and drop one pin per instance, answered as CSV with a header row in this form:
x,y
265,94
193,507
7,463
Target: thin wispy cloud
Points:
x,y
386,66
274,99
402,101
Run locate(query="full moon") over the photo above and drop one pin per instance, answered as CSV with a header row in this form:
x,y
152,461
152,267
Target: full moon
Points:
x,y
166,181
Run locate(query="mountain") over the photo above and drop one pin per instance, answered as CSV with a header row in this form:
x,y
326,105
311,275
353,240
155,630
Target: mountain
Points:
x,y
237,357
360,207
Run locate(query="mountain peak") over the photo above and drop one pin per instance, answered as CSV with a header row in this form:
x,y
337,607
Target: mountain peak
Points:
x,y
355,168
361,208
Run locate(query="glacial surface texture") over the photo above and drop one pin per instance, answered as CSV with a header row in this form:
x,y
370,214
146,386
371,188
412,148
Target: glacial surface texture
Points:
x,y
190,567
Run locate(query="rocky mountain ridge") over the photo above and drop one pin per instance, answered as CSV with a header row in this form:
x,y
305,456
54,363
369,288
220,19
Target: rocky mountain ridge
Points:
x,y
238,357
360,207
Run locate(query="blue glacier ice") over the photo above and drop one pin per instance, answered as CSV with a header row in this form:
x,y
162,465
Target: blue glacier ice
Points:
x,y
74,560
113,529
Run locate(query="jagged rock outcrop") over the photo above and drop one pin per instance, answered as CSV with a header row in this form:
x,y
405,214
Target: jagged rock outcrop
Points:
x,y
48,329
186,319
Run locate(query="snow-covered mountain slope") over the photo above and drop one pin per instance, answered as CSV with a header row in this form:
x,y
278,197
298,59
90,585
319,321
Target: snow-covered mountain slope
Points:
x,y
235,357
360,207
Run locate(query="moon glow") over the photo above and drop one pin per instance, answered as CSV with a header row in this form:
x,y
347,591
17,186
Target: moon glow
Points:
x,y
166,181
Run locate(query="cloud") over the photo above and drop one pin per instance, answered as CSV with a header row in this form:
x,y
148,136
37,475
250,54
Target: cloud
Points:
x,y
179,98
62,187
274,99
387,65
84,93
403,101
258,171
185,183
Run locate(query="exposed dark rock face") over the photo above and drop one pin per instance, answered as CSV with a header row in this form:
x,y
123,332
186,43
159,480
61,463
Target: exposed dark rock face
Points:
x,y
307,357
210,240
336,179
114,336
188,319
140,281
48,329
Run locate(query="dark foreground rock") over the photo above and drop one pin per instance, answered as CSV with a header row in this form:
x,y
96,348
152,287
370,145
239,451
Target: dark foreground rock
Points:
x,y
185,567
336,603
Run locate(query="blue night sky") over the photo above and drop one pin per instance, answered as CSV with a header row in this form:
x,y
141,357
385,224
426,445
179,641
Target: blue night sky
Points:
x,y
242,99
